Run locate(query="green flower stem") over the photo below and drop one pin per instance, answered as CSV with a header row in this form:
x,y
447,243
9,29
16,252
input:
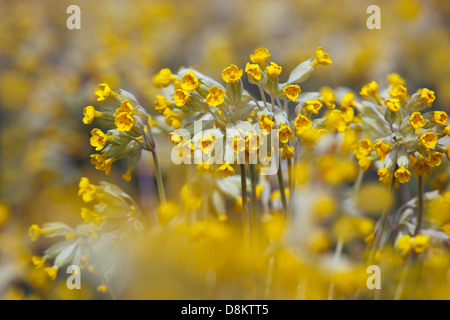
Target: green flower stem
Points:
x,y
419,205
253,197
245,215
159,180
281,184
261,91
376,242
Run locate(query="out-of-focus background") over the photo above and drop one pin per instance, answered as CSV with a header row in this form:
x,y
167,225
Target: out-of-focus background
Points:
x,y
48,74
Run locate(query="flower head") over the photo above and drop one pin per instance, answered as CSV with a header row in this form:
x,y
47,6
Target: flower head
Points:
x,y
402,175
292,92
285,133
90,114
440,117
225,170
428,140
103,91
253,71
313,106
261,56
124,121
393,104
163,78
273,70
189,81
416,120
181,97
321,58
215,97
427,96
301,123
232,74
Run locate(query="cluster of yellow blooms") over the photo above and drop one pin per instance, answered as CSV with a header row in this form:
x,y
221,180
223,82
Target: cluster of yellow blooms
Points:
x,y
323,149
112,218
132,131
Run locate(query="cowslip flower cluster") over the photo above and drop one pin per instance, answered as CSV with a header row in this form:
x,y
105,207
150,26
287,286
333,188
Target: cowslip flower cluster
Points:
x,y
234,123
131,133
110,217
399,135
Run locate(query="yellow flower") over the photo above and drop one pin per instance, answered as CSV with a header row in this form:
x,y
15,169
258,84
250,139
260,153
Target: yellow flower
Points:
x,y
395,79
428,140
365,147
167,211
91,217
440,117
404,244
252,142
434,158
348,101
420,243
447,152
175,138
402,175
328,97
301,123
206,143
238,145
370,90
101,163
260,56
420,165
38,261
292,92
103,91
86,190
225,170
383,175
127,176
215,97
321,58
416,120
171,118
325,207
285,133
162,103
102,288
232,74
313,106
205,168
34,232
125,107
90,113
253,71
181,97
189,81
287,152
51,272
393,104
382,149
427,96
398,91
273,70
265,124
335,120
99,139
163,78
124,122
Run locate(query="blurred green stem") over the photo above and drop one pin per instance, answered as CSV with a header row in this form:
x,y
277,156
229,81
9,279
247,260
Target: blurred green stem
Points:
x,y
419,205
159,180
